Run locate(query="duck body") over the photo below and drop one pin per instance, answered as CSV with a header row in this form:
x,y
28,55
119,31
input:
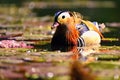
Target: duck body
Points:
x,y
67,36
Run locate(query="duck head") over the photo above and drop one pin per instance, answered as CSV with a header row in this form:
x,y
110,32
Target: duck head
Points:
x,y
63,18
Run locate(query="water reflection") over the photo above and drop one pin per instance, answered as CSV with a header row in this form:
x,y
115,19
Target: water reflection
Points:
x,y
80,53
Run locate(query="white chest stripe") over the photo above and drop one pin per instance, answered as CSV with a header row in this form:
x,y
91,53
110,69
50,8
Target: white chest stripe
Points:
x,y
81,42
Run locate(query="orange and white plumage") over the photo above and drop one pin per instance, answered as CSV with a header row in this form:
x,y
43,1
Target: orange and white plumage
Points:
x,y
66,33
91,38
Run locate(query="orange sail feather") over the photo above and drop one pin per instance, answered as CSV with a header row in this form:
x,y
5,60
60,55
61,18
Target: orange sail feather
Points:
x,y
91,26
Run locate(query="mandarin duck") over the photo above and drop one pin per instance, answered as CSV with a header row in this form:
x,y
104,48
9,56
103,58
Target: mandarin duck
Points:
x,y
67,35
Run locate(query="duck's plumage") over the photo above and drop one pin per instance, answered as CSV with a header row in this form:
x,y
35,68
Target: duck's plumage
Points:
x,y
67,35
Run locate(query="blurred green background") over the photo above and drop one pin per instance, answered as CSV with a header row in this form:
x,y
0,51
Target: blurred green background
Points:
x,y
95,10
33,18
41,12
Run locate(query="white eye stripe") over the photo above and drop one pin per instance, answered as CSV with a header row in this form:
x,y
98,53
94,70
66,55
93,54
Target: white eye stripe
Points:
x,y
64,15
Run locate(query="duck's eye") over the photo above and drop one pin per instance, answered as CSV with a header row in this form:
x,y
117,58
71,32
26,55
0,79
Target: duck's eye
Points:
x,y
63,17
